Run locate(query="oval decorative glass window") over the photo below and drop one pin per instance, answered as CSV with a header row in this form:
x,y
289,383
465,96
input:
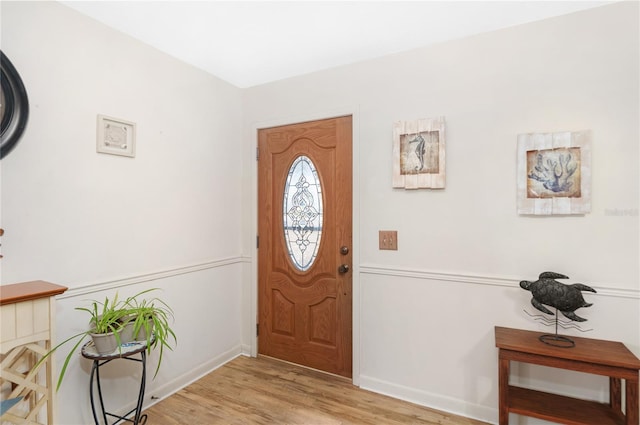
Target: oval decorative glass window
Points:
x,y
302,212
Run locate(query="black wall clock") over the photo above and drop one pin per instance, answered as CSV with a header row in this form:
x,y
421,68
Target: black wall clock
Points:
x,y
14,106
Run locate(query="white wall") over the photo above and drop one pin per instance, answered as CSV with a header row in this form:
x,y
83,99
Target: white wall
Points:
x,y
171,217
168,218
424,315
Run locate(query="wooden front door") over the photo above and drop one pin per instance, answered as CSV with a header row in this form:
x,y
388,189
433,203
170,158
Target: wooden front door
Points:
x,y
304,250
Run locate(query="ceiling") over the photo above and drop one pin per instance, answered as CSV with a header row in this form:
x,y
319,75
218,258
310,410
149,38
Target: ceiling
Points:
x,y
248,43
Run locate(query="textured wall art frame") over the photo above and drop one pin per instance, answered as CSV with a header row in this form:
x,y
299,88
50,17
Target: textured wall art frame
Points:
x,y
554,173
14,106
419,154
116,136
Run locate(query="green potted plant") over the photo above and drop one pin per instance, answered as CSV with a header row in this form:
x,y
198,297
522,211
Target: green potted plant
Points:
x,y
148,320
104,329
105,324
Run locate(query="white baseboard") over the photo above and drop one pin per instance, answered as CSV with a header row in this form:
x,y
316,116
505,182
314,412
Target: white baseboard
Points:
x,y
430,400
245,349
171,387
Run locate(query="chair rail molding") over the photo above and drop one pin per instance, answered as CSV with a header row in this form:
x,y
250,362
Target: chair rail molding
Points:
x,y
507,282
148,277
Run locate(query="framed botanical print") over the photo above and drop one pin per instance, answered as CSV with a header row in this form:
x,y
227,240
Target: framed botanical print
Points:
x,y
554,173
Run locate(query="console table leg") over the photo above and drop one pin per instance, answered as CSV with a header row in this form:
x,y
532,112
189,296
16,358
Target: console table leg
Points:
x,y
615,394
631,388
503,391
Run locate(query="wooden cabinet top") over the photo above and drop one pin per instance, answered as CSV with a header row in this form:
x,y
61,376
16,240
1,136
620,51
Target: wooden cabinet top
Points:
x,y
27,291
609,353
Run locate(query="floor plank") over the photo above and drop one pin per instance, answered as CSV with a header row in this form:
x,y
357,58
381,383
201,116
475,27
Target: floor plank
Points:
x,y
267,391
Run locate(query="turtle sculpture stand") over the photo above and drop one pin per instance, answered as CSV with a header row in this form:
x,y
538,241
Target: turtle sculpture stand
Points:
x,y
565,298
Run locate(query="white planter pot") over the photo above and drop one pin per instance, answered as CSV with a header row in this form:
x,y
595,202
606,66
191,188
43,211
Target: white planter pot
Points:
x,y
127,332
105,343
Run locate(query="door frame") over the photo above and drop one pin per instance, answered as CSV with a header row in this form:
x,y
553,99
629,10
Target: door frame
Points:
x,y
355,140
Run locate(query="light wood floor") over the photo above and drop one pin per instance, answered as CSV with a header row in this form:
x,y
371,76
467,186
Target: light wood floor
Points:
x,y
267,391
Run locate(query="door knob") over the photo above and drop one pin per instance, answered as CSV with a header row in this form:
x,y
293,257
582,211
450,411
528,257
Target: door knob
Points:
x,y
343,268
344,250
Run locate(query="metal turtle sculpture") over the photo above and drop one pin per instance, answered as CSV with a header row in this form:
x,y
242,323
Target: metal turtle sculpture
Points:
x,y
566,298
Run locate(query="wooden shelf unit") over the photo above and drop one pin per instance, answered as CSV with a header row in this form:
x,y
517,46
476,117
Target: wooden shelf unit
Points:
x,y
27,325
607,358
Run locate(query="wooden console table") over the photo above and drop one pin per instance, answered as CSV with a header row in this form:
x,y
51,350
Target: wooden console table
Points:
x,y
593,356
27,319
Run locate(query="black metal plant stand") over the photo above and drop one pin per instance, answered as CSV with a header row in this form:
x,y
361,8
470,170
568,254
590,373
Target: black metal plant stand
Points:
x,y
557,340
123,352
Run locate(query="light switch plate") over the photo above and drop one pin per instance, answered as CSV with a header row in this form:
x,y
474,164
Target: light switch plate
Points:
x,y
388,239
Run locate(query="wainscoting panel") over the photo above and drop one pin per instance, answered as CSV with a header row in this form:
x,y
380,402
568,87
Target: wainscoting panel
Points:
x,y
428,337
